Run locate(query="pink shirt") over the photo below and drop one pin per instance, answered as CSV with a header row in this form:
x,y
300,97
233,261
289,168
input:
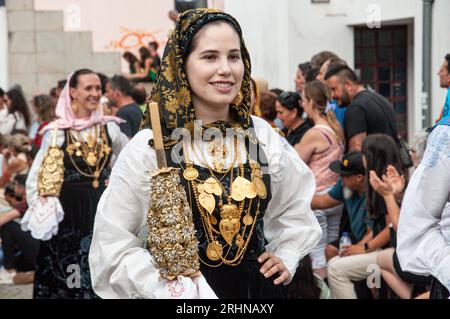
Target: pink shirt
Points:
x,y
325,178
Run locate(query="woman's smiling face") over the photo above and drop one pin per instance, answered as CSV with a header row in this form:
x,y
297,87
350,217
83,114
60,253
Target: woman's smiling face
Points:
x,y
214,67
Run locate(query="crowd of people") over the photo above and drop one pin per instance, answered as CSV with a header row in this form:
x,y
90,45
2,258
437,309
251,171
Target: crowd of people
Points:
x,y
75,188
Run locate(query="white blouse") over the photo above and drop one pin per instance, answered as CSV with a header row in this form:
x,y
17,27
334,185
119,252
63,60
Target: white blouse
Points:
x,y
119,140
8,120
423,238
120,265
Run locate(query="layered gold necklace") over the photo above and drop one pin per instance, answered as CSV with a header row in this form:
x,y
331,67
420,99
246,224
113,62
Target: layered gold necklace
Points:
x,y
94,151
229,225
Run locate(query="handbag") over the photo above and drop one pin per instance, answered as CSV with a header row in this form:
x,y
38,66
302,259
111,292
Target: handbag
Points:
x,y
404,152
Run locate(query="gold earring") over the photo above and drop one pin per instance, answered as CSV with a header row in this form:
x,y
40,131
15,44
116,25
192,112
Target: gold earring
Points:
x,y
75,106
238,99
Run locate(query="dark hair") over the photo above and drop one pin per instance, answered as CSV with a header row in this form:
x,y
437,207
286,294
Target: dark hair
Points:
x,y
193,43
276,91
103,80
76,75
45,107
304,67
268,109
291,101
19,104
145,54
154,44
304,283
447,57
9,190
53,92
62,84
139,95
2,93
122,84
343,72
130,57
320,58
21,179
312,75
380,151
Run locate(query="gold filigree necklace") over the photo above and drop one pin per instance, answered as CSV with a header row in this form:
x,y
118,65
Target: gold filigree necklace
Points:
x,y
94,151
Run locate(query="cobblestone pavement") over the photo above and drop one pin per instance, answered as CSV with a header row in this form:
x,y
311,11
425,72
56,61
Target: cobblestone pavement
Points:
x,y
16,291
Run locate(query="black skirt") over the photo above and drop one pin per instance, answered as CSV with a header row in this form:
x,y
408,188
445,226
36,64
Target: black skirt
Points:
x,y
62,264
244,281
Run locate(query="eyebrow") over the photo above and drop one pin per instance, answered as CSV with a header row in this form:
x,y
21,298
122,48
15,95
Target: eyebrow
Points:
x,y
216,51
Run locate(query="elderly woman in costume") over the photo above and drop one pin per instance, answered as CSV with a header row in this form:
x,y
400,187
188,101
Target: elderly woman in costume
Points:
x,y
248,191
64,186
423,242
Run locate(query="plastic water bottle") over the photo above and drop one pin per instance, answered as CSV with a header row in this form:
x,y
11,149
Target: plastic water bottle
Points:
x,y
344,241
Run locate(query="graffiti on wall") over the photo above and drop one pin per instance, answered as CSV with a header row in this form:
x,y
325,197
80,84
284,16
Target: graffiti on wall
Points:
x,y
132,40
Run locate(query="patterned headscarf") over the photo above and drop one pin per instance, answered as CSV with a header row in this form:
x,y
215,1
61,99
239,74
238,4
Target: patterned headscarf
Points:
x,y
172,91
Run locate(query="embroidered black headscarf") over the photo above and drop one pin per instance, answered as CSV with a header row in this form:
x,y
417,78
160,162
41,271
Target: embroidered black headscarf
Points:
x,y
172,91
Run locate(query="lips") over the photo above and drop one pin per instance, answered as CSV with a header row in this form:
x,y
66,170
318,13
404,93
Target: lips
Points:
x,y
222,86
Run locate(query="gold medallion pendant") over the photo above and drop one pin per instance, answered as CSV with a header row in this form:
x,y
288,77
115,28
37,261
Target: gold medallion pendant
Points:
x,y
207,201
214,251
95,183
229,223
212,187
260,187
190,173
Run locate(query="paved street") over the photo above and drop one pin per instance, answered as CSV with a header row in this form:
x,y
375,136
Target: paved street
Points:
x,y
16,291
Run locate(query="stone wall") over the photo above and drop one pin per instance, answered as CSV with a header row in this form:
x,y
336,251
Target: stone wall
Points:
x,y
42,53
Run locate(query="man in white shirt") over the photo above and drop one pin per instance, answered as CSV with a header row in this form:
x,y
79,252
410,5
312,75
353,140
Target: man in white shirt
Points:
x,y
423,246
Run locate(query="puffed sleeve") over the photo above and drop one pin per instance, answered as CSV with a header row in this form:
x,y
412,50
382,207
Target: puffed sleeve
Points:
x,y
423,239
32,179
119,140
120,265
290,226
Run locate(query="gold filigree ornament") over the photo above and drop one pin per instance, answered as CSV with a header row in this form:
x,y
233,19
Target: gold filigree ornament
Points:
x,y
229,224
171,234
51,172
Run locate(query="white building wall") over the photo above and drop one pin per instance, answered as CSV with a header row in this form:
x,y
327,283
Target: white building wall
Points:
x,y
441,47
308,28
3,49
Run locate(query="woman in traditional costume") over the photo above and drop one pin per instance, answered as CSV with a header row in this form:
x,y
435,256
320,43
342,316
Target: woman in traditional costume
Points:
x,y
64,185
248,192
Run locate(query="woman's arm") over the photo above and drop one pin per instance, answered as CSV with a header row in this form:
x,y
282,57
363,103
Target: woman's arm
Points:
x,y
9,216
388,187
307,145
119,140
33,174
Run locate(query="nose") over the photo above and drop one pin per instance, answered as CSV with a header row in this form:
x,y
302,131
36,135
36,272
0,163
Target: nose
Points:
x,y
224,68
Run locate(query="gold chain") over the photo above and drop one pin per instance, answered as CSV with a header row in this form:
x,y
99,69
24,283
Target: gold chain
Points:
x,y
100,152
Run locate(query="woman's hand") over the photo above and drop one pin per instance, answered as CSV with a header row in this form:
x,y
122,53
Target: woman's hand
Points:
x,y
392,183
352,250
272,265
396,180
